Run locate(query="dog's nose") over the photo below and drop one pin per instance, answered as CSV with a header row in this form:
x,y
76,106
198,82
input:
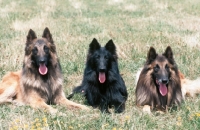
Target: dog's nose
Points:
x,y
165,81
42,60
102,69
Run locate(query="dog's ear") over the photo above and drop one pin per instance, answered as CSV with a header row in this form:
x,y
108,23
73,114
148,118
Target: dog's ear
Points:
x,y
110,46
47,35
94,45
30,37
151,56
169,54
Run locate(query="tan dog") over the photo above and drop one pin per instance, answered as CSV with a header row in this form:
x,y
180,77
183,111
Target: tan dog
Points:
x,y
39,84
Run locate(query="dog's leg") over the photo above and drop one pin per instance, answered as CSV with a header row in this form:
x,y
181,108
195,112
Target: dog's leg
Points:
x,y
103,106
40,104
7,95
34,100
120,107
7,92
62,100
9,86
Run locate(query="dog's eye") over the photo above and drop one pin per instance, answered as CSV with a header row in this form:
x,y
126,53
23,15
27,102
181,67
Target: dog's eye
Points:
x,y
35,51
97,56
46,49
156,68
166,67
105,57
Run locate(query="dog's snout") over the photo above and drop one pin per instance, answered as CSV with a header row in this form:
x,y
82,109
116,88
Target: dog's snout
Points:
x,y
102,69
165,80
42,60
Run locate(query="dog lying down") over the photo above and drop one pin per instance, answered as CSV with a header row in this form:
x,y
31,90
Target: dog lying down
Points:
x,y
160,84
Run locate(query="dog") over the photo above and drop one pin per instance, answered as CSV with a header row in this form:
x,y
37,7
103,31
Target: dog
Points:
x,y
189,88
39,83
160,84
102,85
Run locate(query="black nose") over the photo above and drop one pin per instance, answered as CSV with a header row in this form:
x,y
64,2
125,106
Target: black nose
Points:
x,y
165,81
42,60
102,69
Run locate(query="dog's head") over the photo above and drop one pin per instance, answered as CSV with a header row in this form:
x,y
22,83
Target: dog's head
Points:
x,y
100,58
39,50
161,67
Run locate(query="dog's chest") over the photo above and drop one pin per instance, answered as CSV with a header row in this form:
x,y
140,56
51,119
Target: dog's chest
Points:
x,y
51,88
46,88
103,88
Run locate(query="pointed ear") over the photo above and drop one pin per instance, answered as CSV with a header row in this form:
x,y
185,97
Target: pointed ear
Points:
x,y
110,46
47,35
169,54
151,56
31,36
94,45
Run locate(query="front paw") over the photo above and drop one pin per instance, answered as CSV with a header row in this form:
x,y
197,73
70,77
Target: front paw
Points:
x,y
146,109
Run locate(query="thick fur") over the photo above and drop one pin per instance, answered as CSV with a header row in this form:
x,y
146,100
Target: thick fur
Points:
x,y
109,90
39,84
189,87
159,70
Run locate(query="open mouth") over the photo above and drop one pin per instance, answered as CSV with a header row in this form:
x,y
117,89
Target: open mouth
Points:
x,y
102,77
162,87
43,69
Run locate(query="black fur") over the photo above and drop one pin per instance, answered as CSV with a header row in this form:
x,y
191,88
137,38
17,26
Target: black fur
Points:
x,y
112,92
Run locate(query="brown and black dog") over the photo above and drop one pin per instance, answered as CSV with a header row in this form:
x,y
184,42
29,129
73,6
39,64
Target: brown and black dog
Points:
x,y
159,84
39,83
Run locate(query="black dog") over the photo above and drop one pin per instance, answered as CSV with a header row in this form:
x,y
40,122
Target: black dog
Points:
x,y
102,84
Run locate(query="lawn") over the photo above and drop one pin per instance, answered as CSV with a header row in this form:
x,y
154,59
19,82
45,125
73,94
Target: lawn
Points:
x,y
134,26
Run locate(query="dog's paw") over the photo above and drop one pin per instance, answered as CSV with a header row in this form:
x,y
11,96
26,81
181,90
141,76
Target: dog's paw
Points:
x,y
146,109
61,114
159,112
83,107
53,110
17,103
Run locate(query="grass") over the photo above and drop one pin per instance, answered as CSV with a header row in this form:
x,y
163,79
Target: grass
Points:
x,y
134,26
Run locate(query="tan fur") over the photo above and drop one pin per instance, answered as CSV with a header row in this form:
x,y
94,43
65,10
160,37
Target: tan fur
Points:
x,y
8,86
10,91
28,87
190,87
146,109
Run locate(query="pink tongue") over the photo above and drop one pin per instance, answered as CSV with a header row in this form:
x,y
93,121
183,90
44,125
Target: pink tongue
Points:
x,y
163,89
102,77
43,69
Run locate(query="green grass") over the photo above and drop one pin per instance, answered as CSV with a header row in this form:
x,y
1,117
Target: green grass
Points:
x,y
134,26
